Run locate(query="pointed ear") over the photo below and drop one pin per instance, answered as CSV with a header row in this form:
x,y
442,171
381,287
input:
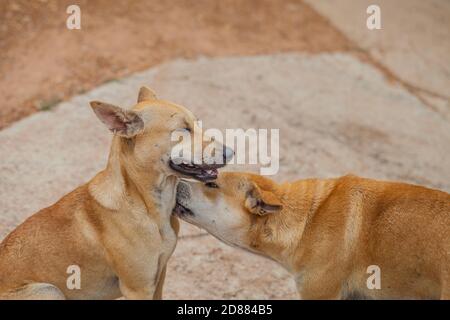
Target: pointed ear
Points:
x,y
146,94
125,123
262,202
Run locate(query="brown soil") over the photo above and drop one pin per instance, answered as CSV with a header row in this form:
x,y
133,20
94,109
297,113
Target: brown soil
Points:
x,y
42,62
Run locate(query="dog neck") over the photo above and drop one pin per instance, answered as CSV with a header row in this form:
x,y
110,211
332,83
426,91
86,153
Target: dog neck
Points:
x,y
121,183
280,235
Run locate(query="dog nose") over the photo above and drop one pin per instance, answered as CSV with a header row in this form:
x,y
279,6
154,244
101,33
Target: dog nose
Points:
x,y
228,154
183,191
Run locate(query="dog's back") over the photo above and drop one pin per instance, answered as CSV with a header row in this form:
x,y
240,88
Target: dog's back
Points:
x,y
402,229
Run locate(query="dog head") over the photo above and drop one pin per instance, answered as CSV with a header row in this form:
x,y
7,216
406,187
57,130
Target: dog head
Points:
x,y
144,136
232,208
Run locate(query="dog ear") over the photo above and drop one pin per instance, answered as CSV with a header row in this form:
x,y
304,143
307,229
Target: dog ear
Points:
x,y
125,123
262,202
146,94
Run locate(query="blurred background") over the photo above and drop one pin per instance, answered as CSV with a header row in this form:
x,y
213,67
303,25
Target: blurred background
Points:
x,y
346,99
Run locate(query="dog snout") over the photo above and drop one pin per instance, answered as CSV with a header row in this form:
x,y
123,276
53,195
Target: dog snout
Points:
x,y
183,192
228,154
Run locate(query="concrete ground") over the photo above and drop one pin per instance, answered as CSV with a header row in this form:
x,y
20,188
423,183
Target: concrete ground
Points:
x,y
336,113
413,43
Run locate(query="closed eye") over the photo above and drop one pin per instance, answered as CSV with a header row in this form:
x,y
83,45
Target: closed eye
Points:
x,y
211,185
187,127
184,129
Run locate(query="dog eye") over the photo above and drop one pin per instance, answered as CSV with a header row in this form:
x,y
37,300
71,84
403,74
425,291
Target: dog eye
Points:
x,y
188,129
211,185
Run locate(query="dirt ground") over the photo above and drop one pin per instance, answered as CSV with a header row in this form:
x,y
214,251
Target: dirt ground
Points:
x,y
42,62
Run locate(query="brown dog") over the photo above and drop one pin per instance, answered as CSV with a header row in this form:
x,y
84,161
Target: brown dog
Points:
x,y
335,235
116,231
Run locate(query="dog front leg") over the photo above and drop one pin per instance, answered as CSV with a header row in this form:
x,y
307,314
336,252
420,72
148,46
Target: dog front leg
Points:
x,y
140,286
142,293
159,287
139,276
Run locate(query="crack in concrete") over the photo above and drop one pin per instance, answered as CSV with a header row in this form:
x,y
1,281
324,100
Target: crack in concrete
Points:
x,y
414,90
364,56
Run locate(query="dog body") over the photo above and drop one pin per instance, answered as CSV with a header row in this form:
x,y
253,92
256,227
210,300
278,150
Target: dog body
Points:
x,y
117,231
333,235
118,251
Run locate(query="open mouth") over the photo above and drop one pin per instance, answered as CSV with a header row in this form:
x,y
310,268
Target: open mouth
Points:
x,y
199,172
181,210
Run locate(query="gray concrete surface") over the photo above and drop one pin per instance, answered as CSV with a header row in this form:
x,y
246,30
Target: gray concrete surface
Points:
x,y
414,42
335,114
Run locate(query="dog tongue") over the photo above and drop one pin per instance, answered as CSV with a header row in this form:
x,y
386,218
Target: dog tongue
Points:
x,y
205,175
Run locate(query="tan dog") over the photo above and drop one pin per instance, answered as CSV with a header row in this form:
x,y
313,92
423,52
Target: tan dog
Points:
x,y
117,229
328,232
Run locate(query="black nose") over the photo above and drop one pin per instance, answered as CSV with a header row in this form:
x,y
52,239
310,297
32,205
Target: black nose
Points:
x,y
228,154
183,191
